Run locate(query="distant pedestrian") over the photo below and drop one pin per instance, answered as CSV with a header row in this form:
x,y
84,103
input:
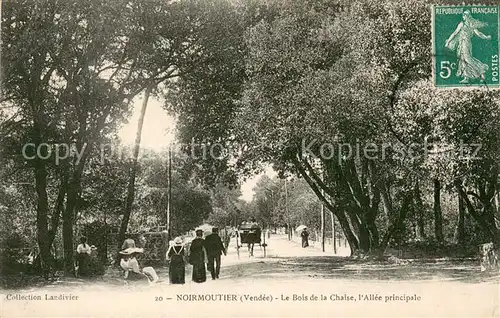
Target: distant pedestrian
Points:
x,y
198,257
83,251
237,235
215,248
305,237
177,267
227,237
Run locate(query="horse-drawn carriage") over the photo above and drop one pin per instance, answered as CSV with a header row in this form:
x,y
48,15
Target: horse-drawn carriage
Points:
x,y
250,234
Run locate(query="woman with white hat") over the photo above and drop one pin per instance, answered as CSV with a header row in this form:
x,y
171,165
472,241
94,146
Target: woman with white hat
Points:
x,y
131,266
177,266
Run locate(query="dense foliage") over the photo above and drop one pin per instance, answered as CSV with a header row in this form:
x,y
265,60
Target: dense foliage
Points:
x,y
300,85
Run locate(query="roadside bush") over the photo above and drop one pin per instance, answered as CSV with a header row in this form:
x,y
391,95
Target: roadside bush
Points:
x,y
14,255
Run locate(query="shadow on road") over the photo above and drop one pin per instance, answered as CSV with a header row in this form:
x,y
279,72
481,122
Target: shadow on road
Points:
x,y
331,267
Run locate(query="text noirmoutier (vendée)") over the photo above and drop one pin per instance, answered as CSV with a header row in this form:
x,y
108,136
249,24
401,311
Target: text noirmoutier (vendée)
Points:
x,y
297,297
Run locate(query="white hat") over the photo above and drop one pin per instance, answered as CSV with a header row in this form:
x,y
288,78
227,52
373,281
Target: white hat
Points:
x,y
132,250
178,241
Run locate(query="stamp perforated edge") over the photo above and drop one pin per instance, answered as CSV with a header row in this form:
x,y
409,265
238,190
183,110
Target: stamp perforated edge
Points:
x,y
433,46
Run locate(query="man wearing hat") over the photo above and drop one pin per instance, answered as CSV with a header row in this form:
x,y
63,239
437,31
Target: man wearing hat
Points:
x,y
215,248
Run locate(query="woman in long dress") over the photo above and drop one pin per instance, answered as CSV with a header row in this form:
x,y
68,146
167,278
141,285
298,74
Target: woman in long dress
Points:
x,y
198,258
176,269
461,41
305,237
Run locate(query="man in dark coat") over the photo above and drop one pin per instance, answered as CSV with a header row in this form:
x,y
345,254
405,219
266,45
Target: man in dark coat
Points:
x,y
197,258
215,248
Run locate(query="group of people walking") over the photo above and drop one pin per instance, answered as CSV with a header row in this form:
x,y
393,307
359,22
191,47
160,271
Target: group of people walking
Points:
x,y
202,251
202,254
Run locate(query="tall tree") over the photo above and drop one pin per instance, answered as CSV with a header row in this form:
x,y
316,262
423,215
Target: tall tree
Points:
x,y
460,231
438,214
72,74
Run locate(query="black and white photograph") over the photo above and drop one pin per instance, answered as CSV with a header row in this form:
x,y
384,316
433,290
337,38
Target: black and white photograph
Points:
x,y
249,158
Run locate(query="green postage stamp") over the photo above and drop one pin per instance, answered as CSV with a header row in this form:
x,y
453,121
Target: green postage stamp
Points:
x,y
466,47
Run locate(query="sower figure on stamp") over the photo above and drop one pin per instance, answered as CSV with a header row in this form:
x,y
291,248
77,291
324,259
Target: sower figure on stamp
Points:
x,y
460,41
198,258
215,248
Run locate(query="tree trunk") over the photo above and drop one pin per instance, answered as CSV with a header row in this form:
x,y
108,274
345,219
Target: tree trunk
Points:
x,y
287,214
169,194
396,225
68,238
497,201
438,216
133,171
323,228
374,235
360,228
364,239
419,207
334,236
337,211
68,222
484,222
104,252
69,214
386,204
461,221
56,215
41,215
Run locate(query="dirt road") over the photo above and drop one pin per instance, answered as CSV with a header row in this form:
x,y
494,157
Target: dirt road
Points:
x,y
289,282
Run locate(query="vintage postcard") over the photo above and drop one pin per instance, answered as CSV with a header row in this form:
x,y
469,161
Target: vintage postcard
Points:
x,y
249,158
